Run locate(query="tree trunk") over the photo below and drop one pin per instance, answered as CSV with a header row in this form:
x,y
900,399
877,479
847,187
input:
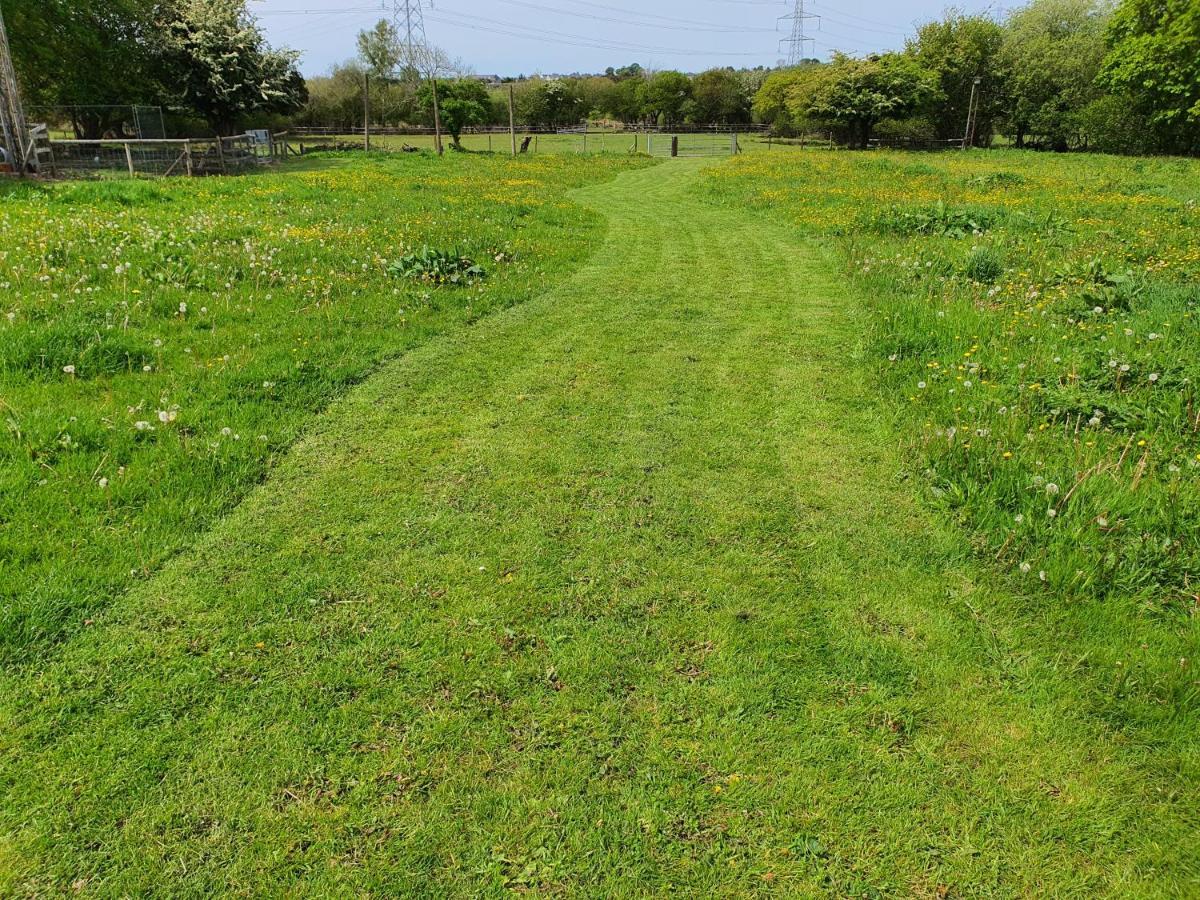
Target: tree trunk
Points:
x,y
437,119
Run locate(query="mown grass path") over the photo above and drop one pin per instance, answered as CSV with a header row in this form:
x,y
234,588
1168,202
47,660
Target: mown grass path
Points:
x,y
616,593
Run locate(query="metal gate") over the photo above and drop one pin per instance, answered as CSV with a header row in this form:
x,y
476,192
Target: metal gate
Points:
x,y
712,143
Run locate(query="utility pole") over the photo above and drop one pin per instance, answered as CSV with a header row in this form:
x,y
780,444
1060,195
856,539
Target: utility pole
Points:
x,y
367,111
13,129
799,38
972,114
512,121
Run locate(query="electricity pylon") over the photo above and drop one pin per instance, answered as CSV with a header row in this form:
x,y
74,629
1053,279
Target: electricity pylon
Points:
x,y
799,38
409,20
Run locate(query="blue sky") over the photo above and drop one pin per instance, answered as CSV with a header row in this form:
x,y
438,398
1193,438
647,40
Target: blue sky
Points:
x,y
509,37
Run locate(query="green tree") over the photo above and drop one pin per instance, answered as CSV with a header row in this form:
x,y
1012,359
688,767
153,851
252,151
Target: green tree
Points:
x,y
857,94
1050,59
619,100
553,102
86,54
221,66
720,96
663,96
961,48
1155,61
771,101
462,103
380,49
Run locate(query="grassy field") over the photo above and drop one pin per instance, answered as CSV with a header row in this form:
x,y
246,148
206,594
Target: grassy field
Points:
x,y
1037,317
656,583
597,142
161,343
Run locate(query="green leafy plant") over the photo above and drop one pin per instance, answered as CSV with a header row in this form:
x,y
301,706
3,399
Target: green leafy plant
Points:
x,y
438,267
939,220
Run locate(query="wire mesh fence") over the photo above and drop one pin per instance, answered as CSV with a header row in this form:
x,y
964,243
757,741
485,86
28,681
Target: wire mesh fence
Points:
x,y
695,141
133,158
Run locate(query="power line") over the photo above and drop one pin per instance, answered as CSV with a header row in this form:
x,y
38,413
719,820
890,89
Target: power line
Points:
x,y
528,32
668,23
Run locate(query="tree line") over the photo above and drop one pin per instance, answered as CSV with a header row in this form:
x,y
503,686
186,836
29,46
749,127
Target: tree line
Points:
x,y
1111,75
1054,74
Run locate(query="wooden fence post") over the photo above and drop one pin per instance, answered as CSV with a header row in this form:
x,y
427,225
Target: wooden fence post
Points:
x,y
512,121
187,155
129,160
221,154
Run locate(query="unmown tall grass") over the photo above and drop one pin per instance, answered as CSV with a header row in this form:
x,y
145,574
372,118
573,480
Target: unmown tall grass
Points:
x,y
1035,319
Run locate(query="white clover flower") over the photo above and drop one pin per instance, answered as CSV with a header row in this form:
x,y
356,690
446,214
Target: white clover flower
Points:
x,y
1042,575
1052,488
141,425
103,483
1019,518
70,370
226,431
182,308
1153,377
1026,568
921,385
1102,522
1052,513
